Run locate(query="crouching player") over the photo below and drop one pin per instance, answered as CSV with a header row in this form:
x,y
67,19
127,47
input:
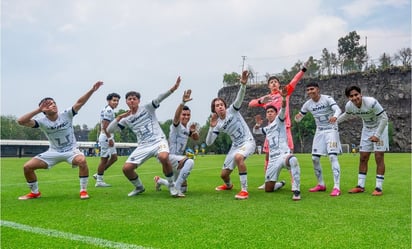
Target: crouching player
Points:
x,y
279,152
180,131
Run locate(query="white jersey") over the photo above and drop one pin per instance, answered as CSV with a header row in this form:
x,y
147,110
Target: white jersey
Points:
x,y
178,137
144,124
235,126
369,111
276,135
106,114
60,133
322,111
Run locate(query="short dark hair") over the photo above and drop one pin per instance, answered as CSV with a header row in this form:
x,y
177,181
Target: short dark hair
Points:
x,y
271,107
350,88
133,93
112,95
314,84
45,99
212,105
273,78
186,108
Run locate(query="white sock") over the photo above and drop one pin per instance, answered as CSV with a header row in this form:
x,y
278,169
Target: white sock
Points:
x,y
83,182
379,181
34,187
99,178
278,185
361,179
184,173
243,181
295,171
162,181
318,170
136,182
336,170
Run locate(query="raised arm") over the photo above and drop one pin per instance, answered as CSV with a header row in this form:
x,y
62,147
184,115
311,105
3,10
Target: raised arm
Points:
x,y
242,90
186,98
282,111
162,96
291,86
83,99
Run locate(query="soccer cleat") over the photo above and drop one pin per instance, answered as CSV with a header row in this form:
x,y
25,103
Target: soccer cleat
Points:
x,y
95,176
261,187
172,189
180,195
377,192
318,188
157,184
136,191
224,187
357,189
335,192
102,184
30,195
242,195
296,195
84,195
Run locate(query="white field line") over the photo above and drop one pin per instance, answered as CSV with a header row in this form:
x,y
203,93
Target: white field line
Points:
x,y
70,236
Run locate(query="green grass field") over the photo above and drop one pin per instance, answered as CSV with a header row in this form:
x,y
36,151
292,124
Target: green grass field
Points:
x,y
207,218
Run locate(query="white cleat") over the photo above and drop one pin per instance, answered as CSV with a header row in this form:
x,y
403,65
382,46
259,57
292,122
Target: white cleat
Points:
x,y
136,191
102,184
172,189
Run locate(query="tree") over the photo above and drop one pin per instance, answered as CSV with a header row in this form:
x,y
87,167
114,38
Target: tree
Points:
x,y
231,79
353,55
404,55
326,61
304,130
385,61
11,130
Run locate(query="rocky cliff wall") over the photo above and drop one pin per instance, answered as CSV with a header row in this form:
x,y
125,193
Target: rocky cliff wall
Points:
x,y
392,88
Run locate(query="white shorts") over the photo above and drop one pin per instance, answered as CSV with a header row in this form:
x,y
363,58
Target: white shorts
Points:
x,y
247,149
53,157
368,146
147,150
105,149
275,165
326,142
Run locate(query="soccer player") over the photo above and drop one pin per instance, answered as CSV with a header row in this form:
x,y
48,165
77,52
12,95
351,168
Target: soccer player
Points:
x,y
108,153
58,128
374,137
180,131
231,122
274,98
280,155
151,141
325,111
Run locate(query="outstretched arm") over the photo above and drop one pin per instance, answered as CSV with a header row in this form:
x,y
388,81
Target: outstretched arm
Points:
x,y
162,96
242,90
186,98
291,86
83,99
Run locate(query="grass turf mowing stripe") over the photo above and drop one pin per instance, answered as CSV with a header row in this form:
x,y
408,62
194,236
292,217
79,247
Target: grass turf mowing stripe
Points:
x,y
70,236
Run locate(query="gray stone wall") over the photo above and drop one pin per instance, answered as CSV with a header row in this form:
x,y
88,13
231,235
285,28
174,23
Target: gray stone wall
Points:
x,y
392,88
